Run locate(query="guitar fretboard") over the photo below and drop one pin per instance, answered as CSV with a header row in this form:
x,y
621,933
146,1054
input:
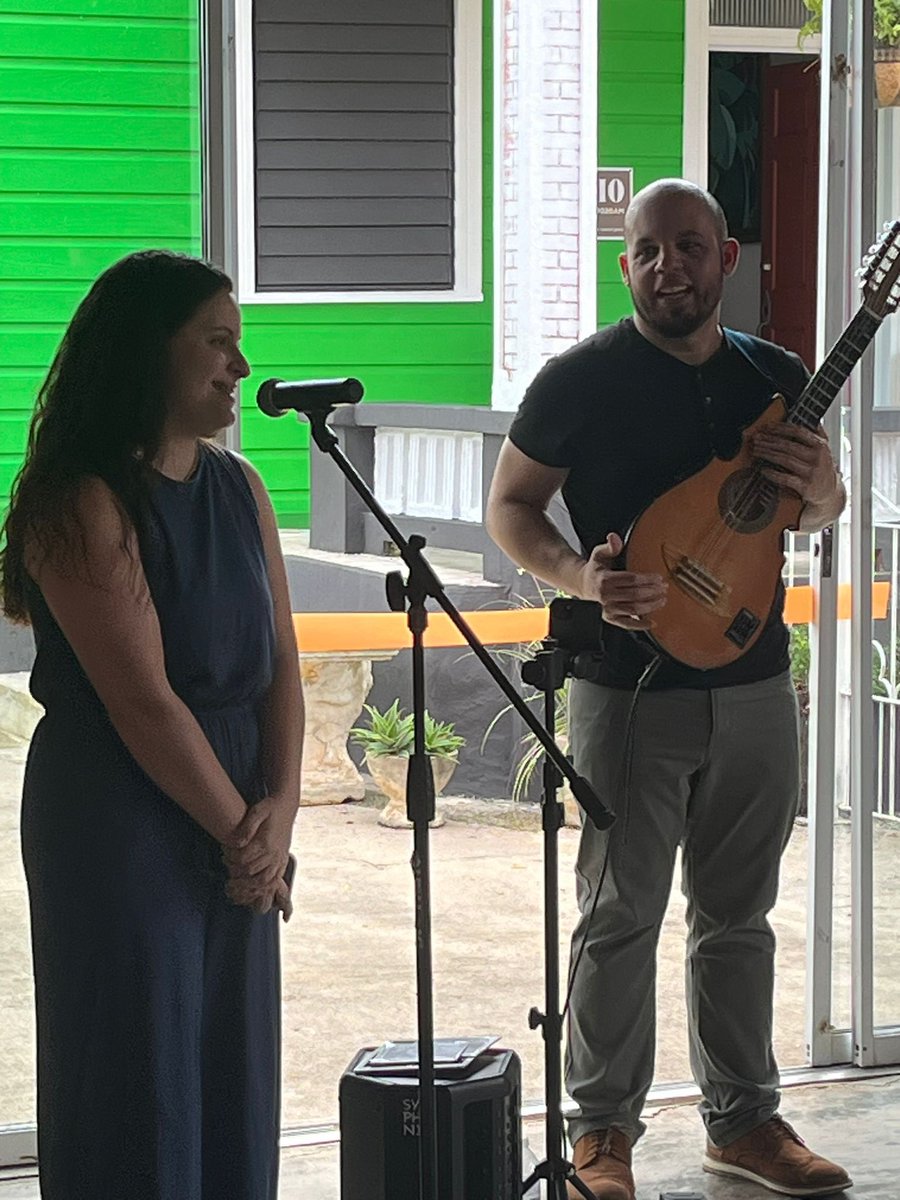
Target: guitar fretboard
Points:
x,y
831,376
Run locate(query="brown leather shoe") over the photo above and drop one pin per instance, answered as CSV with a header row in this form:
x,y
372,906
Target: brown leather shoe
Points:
x,y
773,1155
602,1160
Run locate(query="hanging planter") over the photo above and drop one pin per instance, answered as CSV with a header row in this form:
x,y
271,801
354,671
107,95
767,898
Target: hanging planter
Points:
x,y
887,76
887,46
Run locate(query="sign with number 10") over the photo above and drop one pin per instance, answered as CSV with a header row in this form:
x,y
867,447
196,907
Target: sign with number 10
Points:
x,y
614,191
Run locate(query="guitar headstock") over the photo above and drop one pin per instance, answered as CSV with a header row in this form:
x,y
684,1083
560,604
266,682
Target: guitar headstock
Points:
x,y
880,272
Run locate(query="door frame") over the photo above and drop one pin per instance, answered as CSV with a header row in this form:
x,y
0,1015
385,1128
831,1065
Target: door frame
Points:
x,y
700,40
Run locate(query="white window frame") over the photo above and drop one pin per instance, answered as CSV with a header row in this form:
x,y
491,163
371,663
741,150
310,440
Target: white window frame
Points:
x,y
467,205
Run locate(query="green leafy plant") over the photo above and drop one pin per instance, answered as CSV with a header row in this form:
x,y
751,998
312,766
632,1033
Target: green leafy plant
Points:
x,y
441,739
532,751
886,21
799,652
393,732
884,680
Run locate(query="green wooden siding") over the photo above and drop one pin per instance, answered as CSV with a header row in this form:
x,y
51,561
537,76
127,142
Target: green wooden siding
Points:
x,y
99,130
99,156
641,72
430,353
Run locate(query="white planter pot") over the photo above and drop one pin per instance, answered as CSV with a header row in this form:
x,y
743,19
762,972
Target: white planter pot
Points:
x,y
389,773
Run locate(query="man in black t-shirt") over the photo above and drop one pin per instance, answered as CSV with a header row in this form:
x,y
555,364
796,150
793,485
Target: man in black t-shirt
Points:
x,y
714,766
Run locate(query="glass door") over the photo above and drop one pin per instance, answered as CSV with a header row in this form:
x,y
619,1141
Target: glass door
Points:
x,y
853,1000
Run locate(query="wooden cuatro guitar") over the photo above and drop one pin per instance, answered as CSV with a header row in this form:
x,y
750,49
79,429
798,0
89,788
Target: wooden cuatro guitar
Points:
x,y
716,537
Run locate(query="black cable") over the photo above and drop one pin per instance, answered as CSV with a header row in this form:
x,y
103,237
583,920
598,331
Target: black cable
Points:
x,y
628,752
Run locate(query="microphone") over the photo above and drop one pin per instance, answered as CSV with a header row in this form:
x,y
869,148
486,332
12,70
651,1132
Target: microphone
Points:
x,y
276,397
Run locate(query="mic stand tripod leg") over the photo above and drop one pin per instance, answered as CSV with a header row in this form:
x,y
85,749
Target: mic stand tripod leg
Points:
x,y
547,671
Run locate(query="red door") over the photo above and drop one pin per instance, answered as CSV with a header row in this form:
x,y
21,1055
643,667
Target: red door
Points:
x,y
790,205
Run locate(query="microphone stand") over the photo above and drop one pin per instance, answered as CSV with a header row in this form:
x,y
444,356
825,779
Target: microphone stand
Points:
x,y
421,584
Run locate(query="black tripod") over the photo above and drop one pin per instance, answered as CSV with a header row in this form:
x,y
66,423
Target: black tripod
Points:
x,y
547,672
317,400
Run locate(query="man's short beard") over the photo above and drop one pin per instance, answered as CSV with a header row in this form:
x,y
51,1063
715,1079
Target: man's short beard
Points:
x,y
677,327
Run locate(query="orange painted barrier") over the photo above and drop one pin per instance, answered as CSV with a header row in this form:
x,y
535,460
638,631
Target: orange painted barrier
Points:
x,y
800,603
324,633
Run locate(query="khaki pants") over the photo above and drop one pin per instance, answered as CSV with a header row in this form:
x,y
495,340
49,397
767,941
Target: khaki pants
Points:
x,y
716,772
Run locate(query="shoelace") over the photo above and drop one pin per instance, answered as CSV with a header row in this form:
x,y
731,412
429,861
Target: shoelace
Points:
x,y
601,1143
782,1126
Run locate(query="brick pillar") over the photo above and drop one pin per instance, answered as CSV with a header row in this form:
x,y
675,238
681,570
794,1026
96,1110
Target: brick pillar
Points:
x,y
538,306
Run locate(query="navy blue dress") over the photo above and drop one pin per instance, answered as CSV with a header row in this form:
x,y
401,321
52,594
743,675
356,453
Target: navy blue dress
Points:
x,y
158,1001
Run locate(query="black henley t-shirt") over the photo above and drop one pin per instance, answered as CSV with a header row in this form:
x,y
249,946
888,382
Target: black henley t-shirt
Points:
x,y
629,421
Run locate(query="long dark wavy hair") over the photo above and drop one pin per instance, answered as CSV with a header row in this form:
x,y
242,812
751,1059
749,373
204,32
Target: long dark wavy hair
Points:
x,y
101,409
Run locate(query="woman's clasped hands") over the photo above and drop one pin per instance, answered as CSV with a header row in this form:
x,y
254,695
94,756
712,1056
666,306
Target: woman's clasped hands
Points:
x,y
256,854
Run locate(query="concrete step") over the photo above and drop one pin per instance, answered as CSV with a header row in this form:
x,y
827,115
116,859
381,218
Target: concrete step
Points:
x,y
325,581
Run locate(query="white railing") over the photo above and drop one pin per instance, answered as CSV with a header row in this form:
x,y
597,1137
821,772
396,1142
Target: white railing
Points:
x,y
797,551
885,664
887,714
429,473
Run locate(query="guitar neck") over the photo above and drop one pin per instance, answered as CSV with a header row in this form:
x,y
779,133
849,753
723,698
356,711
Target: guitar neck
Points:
x,y
831,376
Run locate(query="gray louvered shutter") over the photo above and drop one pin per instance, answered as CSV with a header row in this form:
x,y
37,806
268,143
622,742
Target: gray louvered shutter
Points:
x,y
353,107
759,14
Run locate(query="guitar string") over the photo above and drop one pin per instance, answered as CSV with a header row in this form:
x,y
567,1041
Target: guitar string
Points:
x,y
758,490
807,412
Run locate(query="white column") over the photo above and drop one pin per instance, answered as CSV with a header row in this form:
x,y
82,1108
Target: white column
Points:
x,y
541,240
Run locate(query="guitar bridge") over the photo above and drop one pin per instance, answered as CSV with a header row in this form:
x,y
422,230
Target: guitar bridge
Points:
x,y
694,580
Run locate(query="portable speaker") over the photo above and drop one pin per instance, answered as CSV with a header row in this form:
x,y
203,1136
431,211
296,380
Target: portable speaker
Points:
x,y
479,1132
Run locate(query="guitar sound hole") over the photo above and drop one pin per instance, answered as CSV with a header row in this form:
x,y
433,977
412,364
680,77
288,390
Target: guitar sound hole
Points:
x,y
747,503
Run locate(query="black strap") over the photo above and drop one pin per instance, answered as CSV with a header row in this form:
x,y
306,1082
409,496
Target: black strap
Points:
x,y
757,354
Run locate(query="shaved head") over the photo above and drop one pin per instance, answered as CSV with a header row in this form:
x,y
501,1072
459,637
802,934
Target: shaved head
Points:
x,y
677,257
662,189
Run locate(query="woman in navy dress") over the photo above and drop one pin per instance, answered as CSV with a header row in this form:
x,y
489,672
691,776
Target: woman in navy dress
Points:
x,y
163,780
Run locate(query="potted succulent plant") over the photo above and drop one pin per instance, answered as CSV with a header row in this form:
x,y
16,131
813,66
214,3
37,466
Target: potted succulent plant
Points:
x,y
387,740
887,45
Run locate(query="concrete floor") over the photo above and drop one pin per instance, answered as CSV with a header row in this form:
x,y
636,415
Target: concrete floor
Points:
x,y
856,1124
349,955
349,981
